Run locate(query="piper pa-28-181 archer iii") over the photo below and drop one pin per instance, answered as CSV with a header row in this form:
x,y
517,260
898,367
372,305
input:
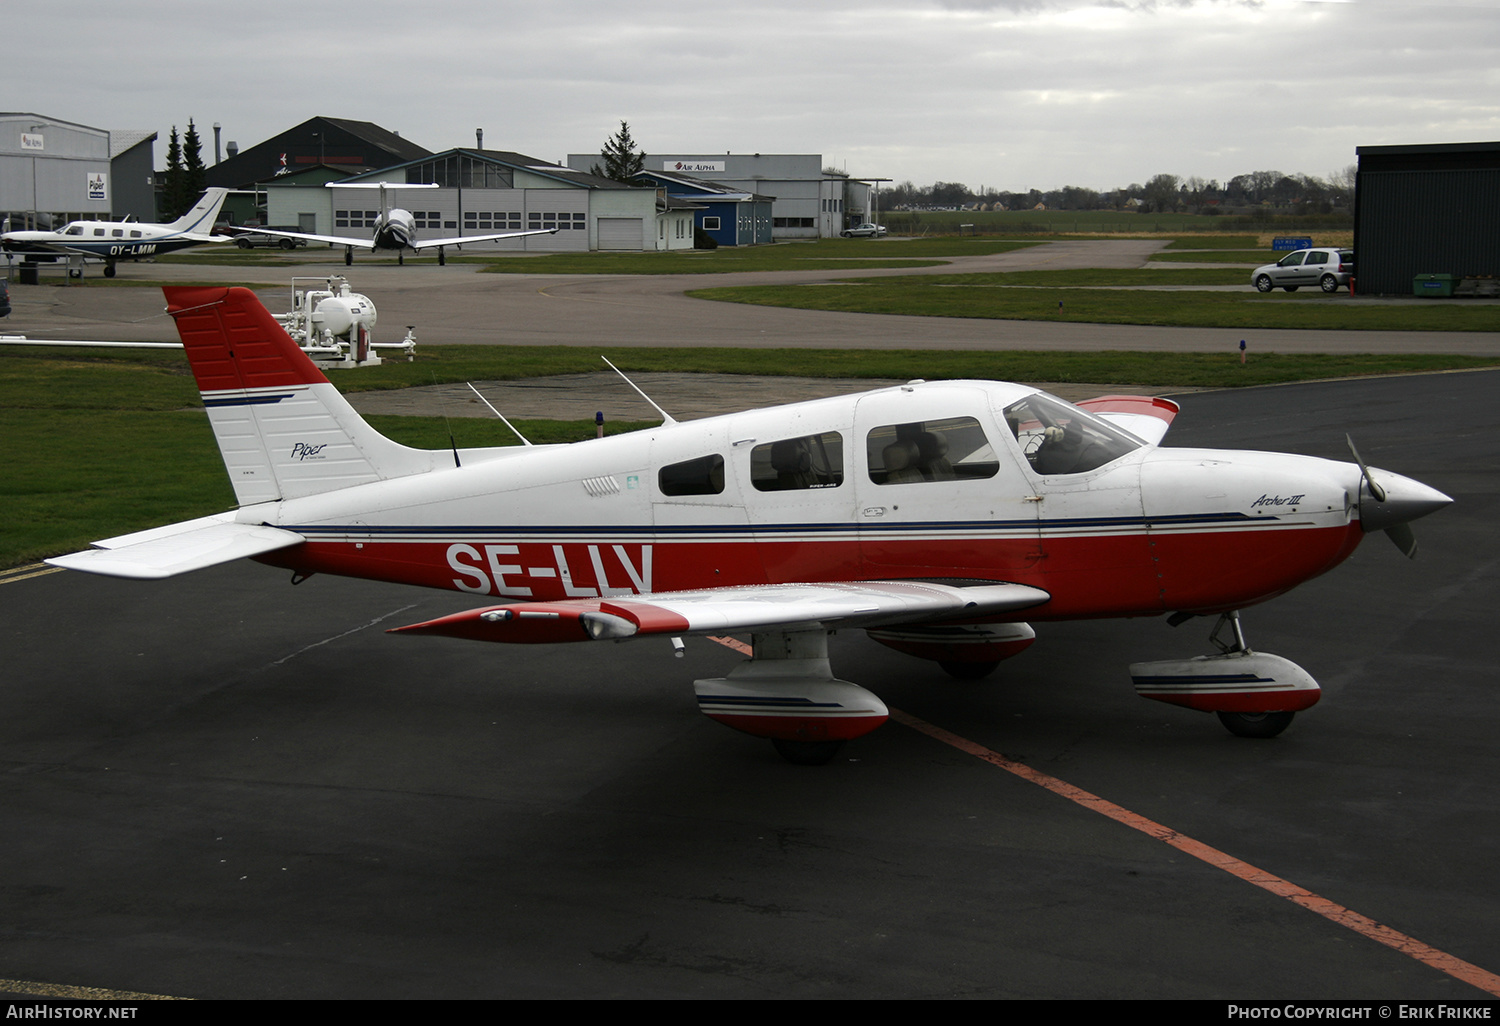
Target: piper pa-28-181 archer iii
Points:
x,y
395,229
122,240
936,516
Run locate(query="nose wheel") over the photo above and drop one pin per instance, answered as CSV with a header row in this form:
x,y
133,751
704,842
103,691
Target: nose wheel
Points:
x,y
1266,724
1255,694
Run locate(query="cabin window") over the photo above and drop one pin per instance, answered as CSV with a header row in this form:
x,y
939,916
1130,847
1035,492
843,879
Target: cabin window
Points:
x,y
1059,438
951,449
702,476
810,461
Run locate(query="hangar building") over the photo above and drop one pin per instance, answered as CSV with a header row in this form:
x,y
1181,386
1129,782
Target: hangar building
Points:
x,y
729,216
354,145
52,167
808,203
69,172
1431,209
481,192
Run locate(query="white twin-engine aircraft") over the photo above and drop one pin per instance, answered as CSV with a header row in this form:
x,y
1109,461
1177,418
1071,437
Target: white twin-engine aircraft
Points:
x,y
395,229
937,516
122,240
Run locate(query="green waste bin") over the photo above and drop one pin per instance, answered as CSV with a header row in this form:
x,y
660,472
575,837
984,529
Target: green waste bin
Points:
x,y
1433,285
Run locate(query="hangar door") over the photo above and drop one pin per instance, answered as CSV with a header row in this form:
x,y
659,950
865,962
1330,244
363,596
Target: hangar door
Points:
x,y
622,233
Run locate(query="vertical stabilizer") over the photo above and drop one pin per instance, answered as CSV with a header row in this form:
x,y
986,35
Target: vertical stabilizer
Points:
x,y
283,429
200,220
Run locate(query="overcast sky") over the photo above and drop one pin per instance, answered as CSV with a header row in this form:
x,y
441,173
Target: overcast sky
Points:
x,y
1008,94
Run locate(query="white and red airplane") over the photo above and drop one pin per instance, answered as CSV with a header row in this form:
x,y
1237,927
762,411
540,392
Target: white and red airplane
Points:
x,y
938,516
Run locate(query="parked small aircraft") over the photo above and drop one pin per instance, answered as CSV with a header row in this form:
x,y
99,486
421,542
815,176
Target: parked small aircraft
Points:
x,y
122,240
934,515
395,229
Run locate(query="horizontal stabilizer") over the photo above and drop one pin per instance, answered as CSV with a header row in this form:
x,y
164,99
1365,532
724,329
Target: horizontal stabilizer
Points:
x,y
178,548
1143,416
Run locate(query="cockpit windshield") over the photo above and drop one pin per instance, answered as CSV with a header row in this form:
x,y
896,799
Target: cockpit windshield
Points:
x,y
1059,438
73,229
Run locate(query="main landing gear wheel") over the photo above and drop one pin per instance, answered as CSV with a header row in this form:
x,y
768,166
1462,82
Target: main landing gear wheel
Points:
x,y
1267,724
1264,283
109,270
967,671
806,753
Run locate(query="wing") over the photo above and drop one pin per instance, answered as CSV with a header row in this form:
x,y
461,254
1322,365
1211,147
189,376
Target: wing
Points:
x,y
178,548
769,607
1143,416
332,240
463,240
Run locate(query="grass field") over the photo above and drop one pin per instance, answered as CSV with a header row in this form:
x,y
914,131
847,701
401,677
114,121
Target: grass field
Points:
x,y
1007,297
1108,222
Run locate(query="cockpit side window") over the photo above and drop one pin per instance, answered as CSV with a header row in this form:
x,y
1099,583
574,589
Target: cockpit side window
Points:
x,y
950,449
701,476
1060,438
811,461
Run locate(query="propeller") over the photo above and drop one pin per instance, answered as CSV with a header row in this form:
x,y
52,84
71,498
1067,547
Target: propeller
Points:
x,y
1395,504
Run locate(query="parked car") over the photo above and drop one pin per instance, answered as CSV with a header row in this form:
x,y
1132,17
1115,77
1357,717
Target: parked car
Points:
x,y
1329,269
863,231
245,240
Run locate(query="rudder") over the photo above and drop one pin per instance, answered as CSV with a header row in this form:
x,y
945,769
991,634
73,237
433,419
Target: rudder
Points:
x,y
283,429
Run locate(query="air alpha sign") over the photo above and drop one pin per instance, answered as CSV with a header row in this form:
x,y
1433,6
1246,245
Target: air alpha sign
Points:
x,y
693,166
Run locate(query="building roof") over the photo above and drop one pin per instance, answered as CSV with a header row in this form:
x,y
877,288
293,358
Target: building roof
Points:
x,y
519,162
689,187
373,134
262,162
123,139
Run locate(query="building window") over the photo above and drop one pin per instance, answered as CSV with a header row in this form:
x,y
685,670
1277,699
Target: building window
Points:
x,y
710,224
355,218
460,171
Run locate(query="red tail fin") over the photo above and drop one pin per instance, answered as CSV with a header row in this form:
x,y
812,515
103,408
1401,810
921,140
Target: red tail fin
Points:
x,y
232,341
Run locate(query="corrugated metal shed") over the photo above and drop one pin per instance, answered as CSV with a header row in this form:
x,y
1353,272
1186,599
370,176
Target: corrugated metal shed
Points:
x,y
1426,210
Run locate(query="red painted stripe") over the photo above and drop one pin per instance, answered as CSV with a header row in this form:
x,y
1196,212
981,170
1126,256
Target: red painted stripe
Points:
x,y
1442,961
1091,577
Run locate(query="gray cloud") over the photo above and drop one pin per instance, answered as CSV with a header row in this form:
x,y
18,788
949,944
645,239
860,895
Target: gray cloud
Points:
x,y
1006,93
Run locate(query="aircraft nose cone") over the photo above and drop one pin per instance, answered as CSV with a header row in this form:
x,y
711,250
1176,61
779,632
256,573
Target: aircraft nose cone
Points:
x,y
1405,500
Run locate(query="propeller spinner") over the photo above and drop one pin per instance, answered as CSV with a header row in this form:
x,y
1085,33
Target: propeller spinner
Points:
x,y
1391,503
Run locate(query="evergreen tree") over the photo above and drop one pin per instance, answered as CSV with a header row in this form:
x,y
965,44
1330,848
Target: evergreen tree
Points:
x,y
193,174
621,159
173,183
